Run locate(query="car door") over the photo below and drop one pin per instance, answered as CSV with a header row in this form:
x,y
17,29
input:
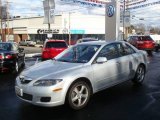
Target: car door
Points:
x,y
105,74
125,61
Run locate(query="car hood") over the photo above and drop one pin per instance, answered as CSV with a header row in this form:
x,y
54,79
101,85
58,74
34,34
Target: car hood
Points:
x,y
49,68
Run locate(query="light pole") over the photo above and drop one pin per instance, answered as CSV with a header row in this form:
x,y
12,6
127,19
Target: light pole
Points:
x,y
49,27
7,9
1,20
124,4
69,28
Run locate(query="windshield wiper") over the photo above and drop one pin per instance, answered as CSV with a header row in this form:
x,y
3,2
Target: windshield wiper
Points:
x,y
53,59
64,60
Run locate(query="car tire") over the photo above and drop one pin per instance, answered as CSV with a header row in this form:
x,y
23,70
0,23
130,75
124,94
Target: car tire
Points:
x,y
149,52
140,74
23,63
78,95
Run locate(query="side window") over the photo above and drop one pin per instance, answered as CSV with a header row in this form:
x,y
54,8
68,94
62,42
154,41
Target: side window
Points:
x,y
128,49
121,49
109,51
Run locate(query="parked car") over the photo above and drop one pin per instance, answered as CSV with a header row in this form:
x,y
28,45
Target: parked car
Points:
x,y
156,38
142,42
52,48
86,40
12,57
27,43
80,71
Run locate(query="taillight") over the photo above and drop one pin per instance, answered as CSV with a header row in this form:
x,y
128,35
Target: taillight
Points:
x,y
1,57
8,56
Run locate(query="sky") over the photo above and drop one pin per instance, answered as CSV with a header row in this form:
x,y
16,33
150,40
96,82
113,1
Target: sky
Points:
x,y
149,14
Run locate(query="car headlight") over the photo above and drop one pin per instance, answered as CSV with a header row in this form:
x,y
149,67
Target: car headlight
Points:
x,y
47,82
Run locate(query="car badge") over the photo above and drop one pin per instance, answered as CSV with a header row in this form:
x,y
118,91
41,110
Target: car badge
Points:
x,y
110,10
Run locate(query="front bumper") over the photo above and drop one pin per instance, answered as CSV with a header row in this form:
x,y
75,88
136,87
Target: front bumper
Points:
x,y
40,96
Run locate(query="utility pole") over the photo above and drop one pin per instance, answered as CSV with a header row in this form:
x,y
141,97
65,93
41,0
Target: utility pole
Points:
x,y
124,9
1,20
69,29
7,12
49,26
49,7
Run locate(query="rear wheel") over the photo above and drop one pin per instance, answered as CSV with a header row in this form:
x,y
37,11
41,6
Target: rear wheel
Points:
x,y
23,62
78,95
140,74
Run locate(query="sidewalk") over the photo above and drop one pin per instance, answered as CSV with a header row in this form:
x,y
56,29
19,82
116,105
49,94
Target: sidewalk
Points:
x,y
38,45
29,55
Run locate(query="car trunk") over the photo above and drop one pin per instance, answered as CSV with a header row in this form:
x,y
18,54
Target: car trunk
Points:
x,y
52,52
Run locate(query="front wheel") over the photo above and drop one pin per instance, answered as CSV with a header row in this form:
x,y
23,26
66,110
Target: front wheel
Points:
x,y
23,62
140,74
78,95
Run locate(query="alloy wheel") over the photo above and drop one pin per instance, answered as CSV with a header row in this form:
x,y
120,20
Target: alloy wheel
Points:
x,y
79,95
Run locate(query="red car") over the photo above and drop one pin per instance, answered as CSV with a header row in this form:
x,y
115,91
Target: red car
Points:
x,y
143,42
52,48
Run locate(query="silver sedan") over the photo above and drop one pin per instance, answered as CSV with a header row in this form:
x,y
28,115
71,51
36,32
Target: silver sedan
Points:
x,y
80,71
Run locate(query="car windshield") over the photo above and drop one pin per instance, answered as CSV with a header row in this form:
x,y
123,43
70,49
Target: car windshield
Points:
x,y
5,47
88,40
56,45
78,54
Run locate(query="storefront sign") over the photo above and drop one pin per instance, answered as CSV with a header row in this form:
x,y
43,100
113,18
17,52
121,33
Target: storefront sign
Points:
x,y
77,31
110,10
44,31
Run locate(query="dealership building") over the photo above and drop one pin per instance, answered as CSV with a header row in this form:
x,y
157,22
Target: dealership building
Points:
x,y
75,25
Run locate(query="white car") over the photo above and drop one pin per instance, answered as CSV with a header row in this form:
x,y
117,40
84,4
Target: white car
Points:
x,y
80,71
27,43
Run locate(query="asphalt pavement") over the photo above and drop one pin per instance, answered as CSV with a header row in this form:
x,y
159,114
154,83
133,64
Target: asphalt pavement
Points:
x,y
121,102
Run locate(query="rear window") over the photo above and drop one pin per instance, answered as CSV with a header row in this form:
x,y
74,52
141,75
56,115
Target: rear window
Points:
x,y
5,47
56,45
145,38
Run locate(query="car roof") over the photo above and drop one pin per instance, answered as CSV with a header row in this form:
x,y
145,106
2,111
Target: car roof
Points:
x,y
100,42
139,35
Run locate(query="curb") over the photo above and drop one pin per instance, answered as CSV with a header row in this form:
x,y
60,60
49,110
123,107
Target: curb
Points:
x,y
32,55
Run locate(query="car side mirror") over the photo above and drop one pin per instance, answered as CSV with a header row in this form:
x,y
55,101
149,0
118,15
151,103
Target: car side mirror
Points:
x,y
101,60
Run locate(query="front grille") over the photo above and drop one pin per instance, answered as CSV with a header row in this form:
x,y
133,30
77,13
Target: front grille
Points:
x,y
26,96
45,99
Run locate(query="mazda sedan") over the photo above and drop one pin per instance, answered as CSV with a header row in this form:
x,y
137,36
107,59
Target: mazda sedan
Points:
x,y
80,71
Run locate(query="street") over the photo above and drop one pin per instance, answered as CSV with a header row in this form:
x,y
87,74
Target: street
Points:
x,y
121,102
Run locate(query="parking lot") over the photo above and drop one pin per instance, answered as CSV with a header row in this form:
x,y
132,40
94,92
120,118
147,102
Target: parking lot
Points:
x,y
122,102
